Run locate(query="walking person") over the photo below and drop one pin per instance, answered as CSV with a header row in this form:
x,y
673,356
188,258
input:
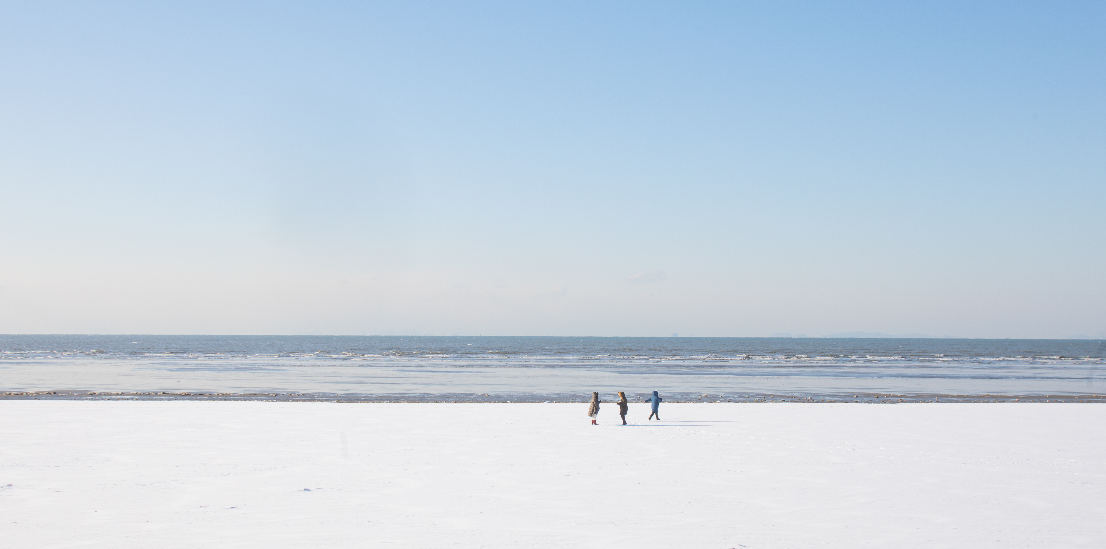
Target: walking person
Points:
x,y
593,408
656,400
622,406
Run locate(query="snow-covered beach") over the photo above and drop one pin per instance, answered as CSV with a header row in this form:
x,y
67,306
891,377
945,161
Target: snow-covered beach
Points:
x,y
265,474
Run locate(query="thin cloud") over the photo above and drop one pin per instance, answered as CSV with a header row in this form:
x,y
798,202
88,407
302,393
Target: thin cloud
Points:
x,y
646,277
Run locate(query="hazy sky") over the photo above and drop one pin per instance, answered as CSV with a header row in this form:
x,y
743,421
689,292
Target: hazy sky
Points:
x,y
559,168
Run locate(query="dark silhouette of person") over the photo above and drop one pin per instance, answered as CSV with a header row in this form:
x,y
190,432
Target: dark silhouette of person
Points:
x,y
623,406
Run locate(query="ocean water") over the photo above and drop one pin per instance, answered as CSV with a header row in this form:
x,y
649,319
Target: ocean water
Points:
x,y
547,368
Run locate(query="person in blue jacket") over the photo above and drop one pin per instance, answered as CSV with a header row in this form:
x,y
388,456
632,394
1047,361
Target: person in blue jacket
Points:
x,y
656,400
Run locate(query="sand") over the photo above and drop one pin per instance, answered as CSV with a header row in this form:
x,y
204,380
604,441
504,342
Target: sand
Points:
x,y
265,474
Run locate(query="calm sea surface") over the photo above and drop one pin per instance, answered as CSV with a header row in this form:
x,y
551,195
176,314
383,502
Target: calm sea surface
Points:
x,y
550,368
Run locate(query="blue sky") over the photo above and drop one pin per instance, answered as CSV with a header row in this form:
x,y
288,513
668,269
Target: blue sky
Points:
x,y
561,168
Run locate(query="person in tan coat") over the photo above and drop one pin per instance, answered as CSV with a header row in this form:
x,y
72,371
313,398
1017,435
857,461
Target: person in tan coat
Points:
x,y
593,408
623,406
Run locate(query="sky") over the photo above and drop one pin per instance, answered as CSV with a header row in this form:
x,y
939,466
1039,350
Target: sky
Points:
x,y
553,168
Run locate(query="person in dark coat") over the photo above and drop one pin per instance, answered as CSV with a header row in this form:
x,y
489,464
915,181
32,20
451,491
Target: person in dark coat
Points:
x,y
593,409
656,400
623,406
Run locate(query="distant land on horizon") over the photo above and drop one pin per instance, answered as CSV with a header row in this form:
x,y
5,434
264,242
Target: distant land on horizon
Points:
x,y
869,335
889,336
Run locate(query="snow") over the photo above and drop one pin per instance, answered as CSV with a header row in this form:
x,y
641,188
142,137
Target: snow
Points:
x,y
264,474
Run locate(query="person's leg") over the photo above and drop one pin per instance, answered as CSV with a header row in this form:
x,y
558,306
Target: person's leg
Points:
x,y
624,419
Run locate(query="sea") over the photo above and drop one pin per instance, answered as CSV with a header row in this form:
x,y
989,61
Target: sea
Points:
x,y
549,369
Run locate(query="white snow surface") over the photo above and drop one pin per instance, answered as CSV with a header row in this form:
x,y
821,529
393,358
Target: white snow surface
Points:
x,y
290,474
